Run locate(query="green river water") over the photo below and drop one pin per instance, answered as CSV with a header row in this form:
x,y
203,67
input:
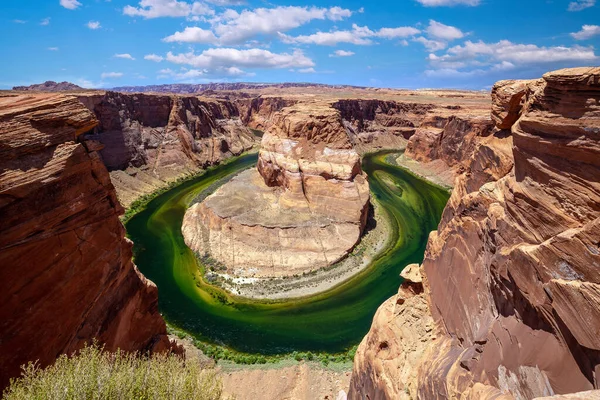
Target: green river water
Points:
x,y
328,322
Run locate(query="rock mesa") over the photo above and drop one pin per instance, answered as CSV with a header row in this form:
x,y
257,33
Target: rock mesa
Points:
x,y
304,206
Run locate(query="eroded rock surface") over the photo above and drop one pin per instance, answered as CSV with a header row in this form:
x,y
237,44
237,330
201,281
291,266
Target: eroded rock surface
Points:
x,y
303,208
511,276
66,275
152,139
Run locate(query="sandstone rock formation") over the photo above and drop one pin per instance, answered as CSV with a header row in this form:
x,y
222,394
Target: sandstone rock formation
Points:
x,y
511,275
153,139
381,124
66,275
303,208
507,102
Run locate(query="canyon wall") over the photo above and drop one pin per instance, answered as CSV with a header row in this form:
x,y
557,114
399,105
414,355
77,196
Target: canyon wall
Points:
x,y
510,279
304,207
66,274
152,139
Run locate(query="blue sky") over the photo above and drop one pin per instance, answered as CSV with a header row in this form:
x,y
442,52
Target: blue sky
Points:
x,y
398,43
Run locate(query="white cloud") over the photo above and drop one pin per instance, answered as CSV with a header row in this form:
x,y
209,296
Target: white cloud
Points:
x,y
167,8
216,59
110,75
522,53
438,3
192,74
359,35
45,21
125,56
579,5
444,32
70,4
338,13
341,53
226,2
431,45
503,55
586,32
19,21
193,35
401,32
94,25
234,28
153,57
307,70
53,48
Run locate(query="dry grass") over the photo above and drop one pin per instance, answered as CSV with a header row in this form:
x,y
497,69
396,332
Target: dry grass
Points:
x,y
95,374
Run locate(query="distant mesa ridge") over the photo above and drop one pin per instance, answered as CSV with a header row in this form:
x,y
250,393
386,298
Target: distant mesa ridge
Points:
x,y
182,88
48,86
198,88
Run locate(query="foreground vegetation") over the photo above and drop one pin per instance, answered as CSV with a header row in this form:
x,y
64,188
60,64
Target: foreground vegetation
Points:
x,y
96,374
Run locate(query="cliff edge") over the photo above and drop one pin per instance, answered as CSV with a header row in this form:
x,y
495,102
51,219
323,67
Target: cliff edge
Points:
x,y
66,274
511,284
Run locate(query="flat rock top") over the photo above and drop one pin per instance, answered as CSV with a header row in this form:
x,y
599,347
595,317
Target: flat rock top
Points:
x,y
12,104
249,201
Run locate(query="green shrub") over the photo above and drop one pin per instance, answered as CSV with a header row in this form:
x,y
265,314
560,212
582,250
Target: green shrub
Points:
x,y
96,374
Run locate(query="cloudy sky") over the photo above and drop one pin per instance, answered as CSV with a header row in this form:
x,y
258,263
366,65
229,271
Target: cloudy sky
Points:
x,y
383,43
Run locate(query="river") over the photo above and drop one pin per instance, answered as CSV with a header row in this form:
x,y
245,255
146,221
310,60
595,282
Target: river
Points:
x,y
331,321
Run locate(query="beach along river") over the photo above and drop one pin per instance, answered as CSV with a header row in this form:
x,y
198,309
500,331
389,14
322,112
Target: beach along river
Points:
x,y
331,321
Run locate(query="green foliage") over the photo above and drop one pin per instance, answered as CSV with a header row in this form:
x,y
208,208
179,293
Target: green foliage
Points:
x,y
96,374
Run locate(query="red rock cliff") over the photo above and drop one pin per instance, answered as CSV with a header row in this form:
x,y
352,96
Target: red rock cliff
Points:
x,y
66,275
511,277
151,139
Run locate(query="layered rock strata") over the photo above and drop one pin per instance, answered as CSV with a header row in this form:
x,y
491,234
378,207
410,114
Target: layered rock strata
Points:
x,y
66,275
511,276
153,139
303,208
381,124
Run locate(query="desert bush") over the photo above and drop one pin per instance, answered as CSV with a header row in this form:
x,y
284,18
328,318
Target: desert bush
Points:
x,y
97,374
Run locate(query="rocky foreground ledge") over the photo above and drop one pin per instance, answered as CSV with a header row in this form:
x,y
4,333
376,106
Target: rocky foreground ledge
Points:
x,y
507,301
303,208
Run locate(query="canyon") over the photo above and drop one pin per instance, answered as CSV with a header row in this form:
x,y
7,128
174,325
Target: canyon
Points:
x,y
504,304
303,208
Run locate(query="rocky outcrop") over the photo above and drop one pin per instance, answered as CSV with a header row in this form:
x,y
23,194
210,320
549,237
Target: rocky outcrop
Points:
x,y
379,124
48,86
511,275
66,275
507,101
303,208
387,361
258,112
151,139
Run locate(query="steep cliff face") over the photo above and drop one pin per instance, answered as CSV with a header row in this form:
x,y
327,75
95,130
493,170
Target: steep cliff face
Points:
x,y
258,112
303,208
150,139
511,275
66,274
380,124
